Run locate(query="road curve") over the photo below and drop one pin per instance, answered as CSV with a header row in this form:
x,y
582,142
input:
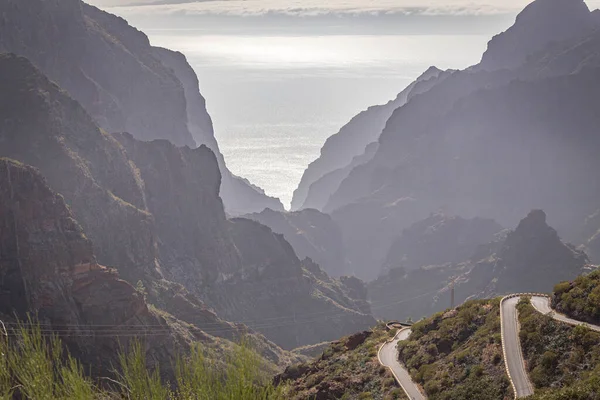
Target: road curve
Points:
x,y
388,357
542,305
511,346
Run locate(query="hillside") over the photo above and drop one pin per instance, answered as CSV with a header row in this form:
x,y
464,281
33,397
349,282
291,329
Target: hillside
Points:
x,y
121,81
530,258
312,234
458,354
177,242
347,369
480,135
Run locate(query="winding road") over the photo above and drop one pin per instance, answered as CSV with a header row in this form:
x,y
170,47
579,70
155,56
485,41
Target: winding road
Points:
x,y
513,355
511,346
388,357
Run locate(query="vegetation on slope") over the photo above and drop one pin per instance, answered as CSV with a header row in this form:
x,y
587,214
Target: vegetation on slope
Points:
x,y
557,355
35,366
348,369
579,299
458,354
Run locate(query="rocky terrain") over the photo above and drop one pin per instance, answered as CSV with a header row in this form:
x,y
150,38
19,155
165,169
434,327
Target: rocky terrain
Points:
x,y
349,147
440,239
529,258
111,69
473,140
48,269
311,233
153,211
348,368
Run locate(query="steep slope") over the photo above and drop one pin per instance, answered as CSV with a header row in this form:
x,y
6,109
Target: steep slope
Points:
x,y
353,138
473,139
348,369
181,234
322,189
124,83
311,233
528,259
540,24
440,239
458,354
292,302
42,126
240,196
102,62
182,190
47,268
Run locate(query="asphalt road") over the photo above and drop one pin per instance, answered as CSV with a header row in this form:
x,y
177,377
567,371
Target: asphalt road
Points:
x,y
388,357
542,304
512,348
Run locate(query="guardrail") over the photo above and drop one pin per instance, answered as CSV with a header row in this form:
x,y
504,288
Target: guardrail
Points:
x,y
510,296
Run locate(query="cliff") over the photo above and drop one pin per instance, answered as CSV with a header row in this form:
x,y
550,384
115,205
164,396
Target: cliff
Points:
x,y
539,25
311,233
530,258
48,269
480,135
124,83
292,302
440,239
42,126
353,138
168,230
239,195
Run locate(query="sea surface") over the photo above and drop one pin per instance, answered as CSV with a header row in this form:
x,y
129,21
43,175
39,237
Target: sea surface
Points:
x,y
275,100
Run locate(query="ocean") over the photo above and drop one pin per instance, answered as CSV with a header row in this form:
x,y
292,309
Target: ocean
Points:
x,y
274,100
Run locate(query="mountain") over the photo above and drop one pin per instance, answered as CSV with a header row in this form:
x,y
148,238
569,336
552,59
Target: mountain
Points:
x,y
124,83
347,368
321,190
530,258
479,135
440,239
42,126
539,25
48,269
351,141
311,233
153,211
292,302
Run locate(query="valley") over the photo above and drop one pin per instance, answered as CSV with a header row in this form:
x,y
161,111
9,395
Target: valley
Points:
x,y
444,245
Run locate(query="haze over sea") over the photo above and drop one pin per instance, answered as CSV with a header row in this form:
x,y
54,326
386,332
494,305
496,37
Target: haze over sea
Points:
x,y
278,85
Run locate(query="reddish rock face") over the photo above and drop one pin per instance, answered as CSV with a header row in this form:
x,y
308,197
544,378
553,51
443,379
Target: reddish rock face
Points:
x,y
48,269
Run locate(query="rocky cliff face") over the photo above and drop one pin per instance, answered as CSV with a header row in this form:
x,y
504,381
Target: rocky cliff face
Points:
x,y
340,149
48,268
531,258
540,24
182,192
42,126
454,148
312,234
440,239
239,195
168,230
125,84
292,302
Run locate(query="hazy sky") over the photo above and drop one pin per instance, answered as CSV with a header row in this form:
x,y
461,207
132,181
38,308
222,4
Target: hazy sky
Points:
x,y
320,6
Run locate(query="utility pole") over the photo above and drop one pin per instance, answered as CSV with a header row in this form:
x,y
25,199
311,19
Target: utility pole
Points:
x,y
452,295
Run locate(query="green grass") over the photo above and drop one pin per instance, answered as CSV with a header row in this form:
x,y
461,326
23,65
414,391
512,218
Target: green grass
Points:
x,y
39,368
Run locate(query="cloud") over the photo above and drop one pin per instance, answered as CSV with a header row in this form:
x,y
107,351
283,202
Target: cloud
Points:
x,y
313,7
